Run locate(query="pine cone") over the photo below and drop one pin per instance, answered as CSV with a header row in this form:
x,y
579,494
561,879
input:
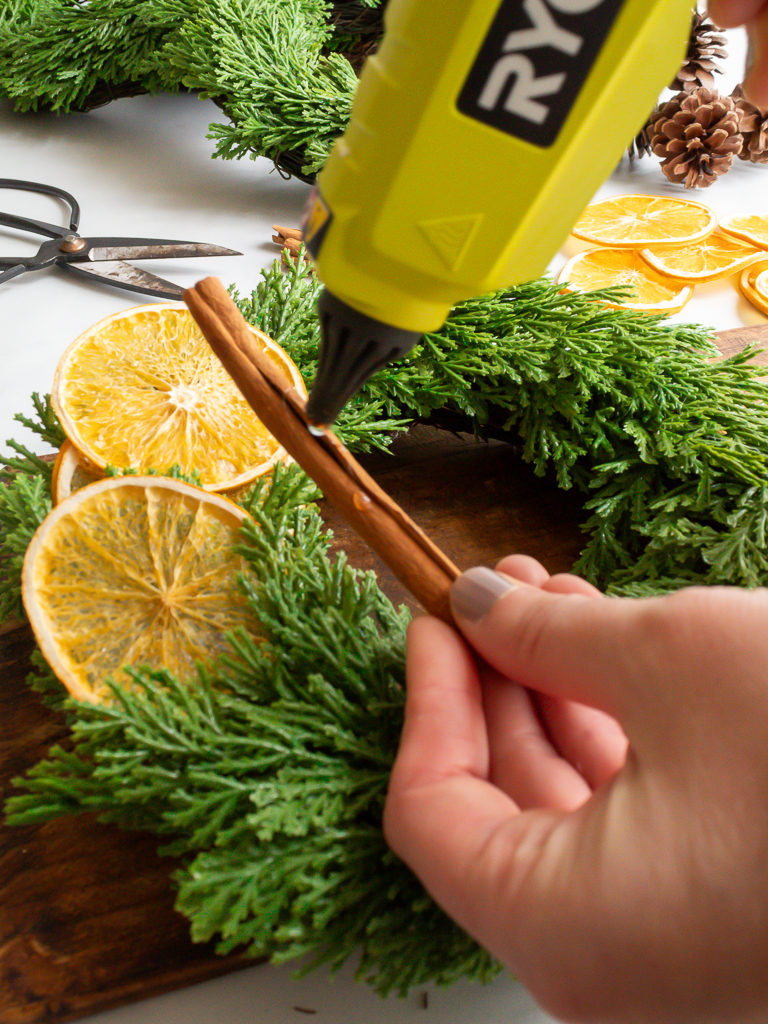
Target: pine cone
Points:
x,y
697,135
753,125
705,48
640,146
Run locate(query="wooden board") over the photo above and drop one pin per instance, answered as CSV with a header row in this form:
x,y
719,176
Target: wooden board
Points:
x,y
86,911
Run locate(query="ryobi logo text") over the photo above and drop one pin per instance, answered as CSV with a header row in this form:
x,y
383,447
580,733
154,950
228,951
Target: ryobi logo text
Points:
x,y
533,62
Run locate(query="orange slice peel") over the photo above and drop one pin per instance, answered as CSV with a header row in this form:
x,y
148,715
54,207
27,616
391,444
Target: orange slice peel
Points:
x,y
751,228
71,472
753,285
708,259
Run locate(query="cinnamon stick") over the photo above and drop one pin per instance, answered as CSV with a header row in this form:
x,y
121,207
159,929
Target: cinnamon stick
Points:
x,y
284,233
416,561
290,239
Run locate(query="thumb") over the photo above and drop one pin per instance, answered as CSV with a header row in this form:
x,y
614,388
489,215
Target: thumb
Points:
x,y
565,645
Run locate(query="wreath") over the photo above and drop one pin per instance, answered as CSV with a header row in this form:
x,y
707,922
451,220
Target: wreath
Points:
x,y
266,775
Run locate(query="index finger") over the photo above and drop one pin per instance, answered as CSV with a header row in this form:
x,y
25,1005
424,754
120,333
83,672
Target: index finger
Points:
x,y
440,808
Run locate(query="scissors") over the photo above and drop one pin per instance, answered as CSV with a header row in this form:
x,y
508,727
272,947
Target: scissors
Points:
x,y
101,258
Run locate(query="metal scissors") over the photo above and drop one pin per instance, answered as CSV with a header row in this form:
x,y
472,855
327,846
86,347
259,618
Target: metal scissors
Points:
x,y
96,257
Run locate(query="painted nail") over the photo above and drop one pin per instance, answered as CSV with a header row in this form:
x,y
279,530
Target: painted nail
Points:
x,y
476,591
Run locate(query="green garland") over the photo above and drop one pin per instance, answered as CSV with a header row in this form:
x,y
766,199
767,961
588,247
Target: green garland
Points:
x,y
267,775
283,71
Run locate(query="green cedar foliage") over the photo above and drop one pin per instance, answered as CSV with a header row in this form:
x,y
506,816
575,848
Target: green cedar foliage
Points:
x,y
669,447
25,500
281,88
69,55
283,71
266,775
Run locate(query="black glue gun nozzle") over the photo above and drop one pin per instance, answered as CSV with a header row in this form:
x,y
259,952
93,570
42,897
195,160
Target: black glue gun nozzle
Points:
x,y
353,347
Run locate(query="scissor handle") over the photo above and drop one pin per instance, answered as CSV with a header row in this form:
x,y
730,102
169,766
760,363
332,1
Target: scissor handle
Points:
x,y
51,230
37,227
7,275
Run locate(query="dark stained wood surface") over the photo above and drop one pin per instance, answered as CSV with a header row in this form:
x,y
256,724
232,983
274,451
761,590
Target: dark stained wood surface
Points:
x,y
86,911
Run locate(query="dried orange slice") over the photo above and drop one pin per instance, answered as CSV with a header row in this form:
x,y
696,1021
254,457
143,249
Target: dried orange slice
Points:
x,y
143,390
752,228
752,273
605,268
717,256
134,571
760,283
753,285
639,221
70,473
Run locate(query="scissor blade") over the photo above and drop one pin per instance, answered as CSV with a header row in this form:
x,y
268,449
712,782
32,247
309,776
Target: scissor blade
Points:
x,y
123,275
135,249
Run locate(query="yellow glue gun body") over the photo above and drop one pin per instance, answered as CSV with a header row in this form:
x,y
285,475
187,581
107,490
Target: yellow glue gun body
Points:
x,y
479,132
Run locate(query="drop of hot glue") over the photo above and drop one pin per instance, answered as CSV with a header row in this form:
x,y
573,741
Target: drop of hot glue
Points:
x,y
316,430
361,501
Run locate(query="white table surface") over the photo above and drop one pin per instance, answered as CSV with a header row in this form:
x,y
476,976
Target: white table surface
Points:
x,y
142,167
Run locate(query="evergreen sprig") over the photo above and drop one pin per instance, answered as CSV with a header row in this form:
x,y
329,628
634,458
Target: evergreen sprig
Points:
x,y
24,503
25,500
67,55
281,88
48,429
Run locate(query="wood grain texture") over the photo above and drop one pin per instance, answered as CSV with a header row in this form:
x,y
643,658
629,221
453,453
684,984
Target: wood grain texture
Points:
x,y
732,342
86,911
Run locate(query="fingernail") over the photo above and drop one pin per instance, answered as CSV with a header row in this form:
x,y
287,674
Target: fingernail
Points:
x,y
476,591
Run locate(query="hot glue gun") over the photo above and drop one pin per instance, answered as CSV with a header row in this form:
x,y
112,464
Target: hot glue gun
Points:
x,y
479,131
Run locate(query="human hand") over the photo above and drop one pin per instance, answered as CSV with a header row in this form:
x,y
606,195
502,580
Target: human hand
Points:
x,y
753,14
620,884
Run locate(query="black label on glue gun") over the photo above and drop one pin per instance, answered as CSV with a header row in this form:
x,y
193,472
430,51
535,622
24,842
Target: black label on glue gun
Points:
x,y
533,63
